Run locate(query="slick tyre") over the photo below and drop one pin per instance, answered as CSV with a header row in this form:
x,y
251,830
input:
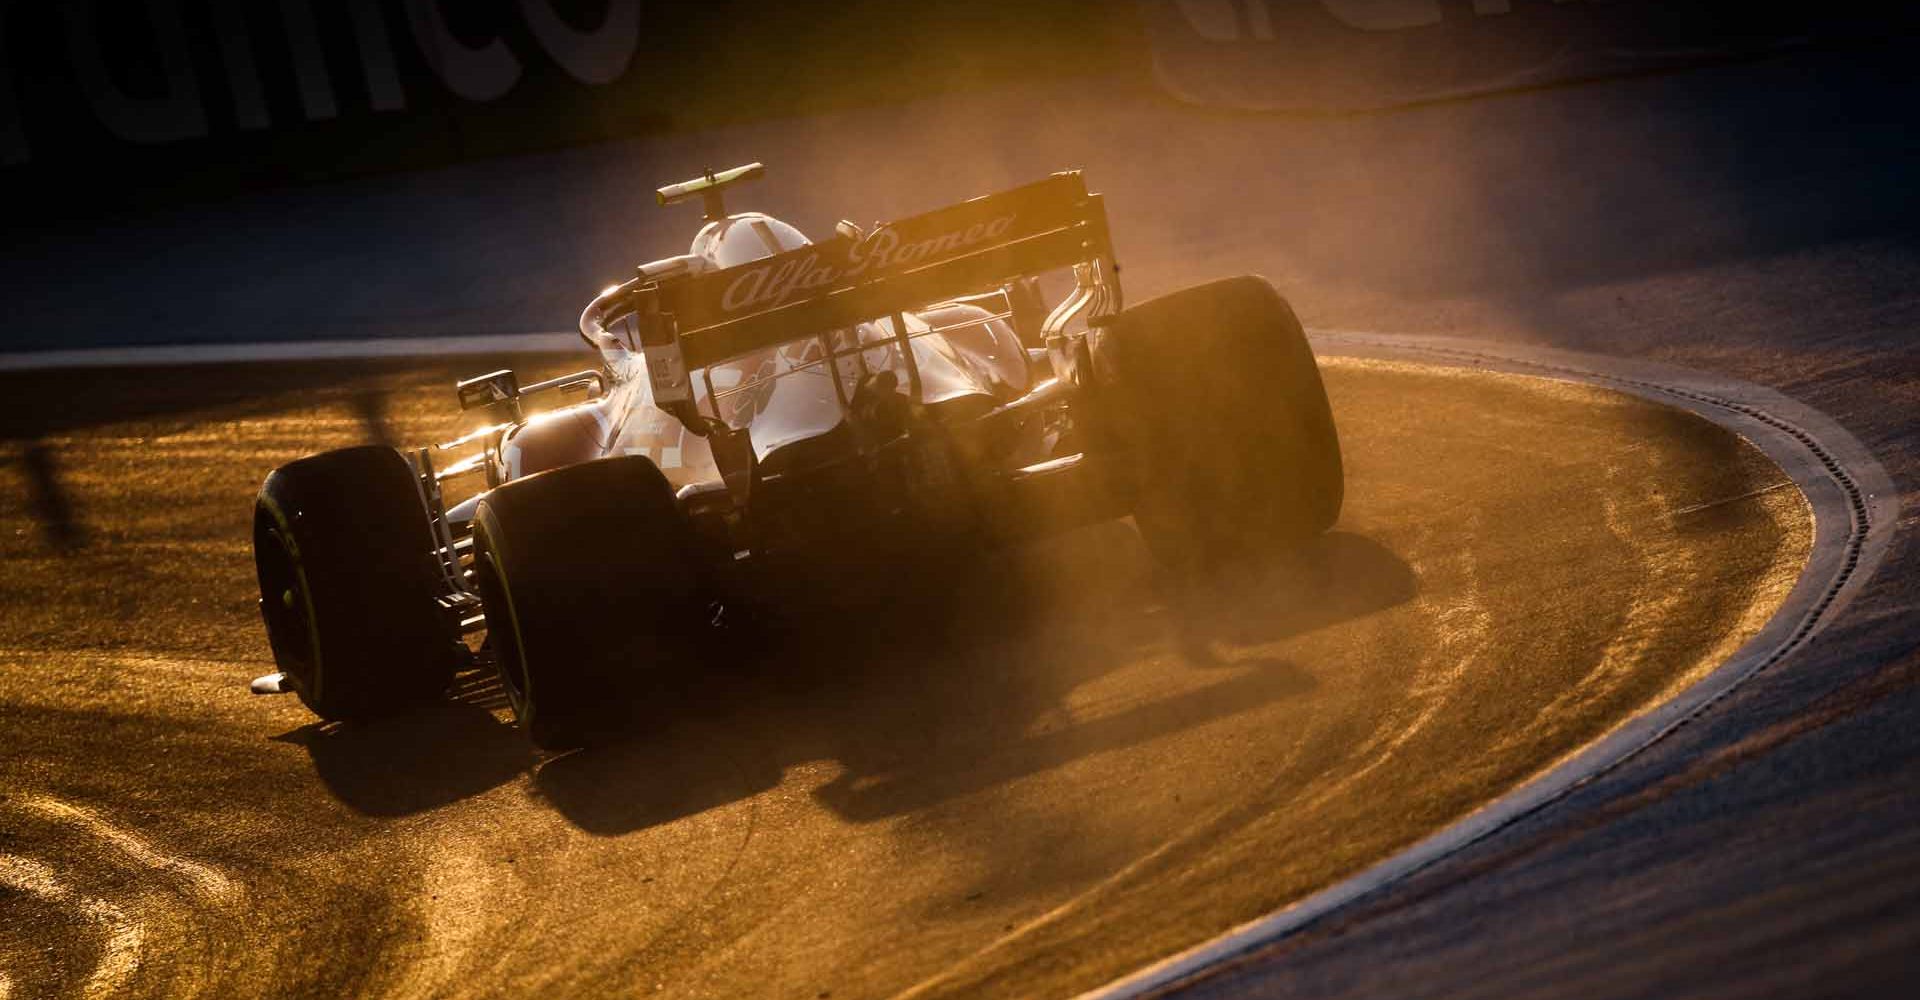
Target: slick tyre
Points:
x,y
1216,390
343,553
588,577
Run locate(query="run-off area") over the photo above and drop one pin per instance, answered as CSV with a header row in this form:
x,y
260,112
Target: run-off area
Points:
x,y
1060,770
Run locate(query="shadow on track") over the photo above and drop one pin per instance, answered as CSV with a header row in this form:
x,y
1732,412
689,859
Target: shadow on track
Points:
x,y
416,762
937,696
933,695
47,406
48,499
61,402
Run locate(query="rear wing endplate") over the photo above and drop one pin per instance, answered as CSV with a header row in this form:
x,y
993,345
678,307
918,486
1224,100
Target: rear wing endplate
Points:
x,y
903,265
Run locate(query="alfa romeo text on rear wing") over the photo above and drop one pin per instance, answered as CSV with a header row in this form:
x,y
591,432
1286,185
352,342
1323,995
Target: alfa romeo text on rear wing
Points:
x,y
689,324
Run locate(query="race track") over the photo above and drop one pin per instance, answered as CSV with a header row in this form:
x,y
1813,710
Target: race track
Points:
x,y
1057,775
1069,772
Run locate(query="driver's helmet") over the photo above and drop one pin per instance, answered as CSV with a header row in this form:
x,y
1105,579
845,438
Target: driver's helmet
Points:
x,y
744,238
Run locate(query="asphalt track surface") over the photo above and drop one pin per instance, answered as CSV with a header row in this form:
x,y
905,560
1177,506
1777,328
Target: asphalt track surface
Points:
x,y
1028,786
1755,220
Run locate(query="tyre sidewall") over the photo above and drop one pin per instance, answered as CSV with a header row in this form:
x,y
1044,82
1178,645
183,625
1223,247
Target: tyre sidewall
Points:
x,y
1217,390
360,543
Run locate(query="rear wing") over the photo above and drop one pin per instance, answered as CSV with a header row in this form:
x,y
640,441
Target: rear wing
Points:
x,y
950,252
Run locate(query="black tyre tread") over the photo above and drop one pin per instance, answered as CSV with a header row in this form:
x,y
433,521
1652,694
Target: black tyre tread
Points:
x,y
363,540
588,577
1218,388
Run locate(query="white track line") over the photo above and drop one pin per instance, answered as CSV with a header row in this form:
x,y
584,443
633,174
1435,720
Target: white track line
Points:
x,y
1855,508
205,880
303,350
119,955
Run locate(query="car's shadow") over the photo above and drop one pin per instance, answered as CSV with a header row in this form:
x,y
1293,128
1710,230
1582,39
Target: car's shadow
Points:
x,y
926,694
930,696
411,763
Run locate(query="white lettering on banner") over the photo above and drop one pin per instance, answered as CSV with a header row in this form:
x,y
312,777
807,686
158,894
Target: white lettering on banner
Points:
x,y
1383,15
772,285
243,73
1223,20
309,64
598,56
176,115
594,57
243,76
376,56
1213,20
179,113
13,141
477,74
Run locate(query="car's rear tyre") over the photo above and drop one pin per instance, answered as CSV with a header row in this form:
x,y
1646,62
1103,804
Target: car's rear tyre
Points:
x,y
1217,390
342,552
590,585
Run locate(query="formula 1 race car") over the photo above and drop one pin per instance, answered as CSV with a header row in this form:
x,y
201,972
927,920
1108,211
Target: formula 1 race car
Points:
x,y
770,408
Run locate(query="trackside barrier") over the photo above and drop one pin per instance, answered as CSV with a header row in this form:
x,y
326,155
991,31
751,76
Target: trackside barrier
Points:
x,y
1352,55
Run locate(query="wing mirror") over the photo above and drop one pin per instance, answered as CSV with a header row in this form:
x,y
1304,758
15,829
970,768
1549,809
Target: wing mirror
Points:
x,y
499,393
496,393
